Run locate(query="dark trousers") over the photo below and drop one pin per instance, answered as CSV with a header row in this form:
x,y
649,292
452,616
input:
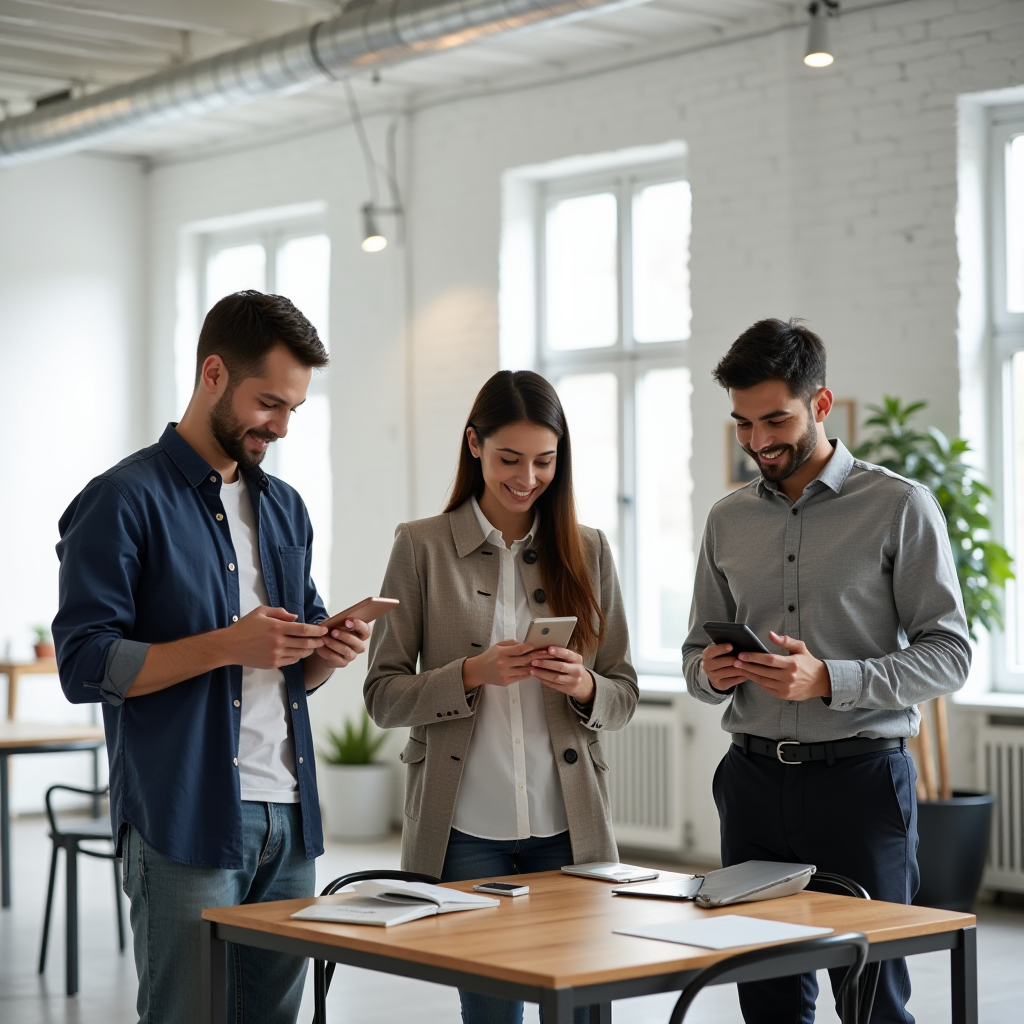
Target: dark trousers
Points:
x,y
856,817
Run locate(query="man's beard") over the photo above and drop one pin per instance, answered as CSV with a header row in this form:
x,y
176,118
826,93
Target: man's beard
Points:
x,y
230,433
784,468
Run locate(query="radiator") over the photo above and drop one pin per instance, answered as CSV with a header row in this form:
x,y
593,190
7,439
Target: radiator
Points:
x,y
646,778
1001,771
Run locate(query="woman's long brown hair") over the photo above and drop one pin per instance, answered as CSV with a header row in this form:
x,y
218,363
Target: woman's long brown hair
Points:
x,y
525,396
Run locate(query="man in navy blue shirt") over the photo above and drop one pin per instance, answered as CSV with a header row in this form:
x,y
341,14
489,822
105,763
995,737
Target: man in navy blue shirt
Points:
x,y
187,608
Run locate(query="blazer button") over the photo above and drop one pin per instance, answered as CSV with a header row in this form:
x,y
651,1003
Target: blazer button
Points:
x,y
539,596
571,756
529,556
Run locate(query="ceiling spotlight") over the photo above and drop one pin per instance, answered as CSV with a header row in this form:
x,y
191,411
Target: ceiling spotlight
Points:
x,y
373,240
819,51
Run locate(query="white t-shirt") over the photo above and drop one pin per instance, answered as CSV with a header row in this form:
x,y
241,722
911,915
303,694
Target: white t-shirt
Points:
x,y
510,787
266,746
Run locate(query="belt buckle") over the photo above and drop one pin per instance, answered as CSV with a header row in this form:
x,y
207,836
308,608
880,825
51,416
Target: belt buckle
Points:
x,y
786,743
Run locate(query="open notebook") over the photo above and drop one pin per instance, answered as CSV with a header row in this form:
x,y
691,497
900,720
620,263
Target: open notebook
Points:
x,y
386,903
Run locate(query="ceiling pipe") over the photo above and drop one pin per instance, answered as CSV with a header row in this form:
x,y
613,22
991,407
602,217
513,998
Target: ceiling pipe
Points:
x,y
365,35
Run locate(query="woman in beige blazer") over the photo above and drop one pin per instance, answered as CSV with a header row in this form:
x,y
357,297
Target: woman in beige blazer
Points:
x,y
504,765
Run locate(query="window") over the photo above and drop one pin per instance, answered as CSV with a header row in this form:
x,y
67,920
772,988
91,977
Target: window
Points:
x,y
613,323
1006,243
295,262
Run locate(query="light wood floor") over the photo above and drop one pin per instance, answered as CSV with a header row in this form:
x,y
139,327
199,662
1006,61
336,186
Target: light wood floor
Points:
x,y
108,981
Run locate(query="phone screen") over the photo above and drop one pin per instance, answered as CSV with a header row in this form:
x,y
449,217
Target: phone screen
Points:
x,y
501,886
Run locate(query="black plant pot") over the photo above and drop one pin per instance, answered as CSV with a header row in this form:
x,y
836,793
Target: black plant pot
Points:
x,y
954,844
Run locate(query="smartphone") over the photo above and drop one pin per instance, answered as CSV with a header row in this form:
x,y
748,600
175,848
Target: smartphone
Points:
x,y
368,609
502,888
554,632
739,634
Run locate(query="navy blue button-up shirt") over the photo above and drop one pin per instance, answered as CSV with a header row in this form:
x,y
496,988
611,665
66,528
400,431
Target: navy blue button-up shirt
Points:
x,y
144,554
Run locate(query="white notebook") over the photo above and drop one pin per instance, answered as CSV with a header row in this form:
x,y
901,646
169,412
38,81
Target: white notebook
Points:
x,y
724,932
610,871
386,903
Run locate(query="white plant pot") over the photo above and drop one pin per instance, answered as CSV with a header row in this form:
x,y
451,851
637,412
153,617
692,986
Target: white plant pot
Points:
x,y
356,800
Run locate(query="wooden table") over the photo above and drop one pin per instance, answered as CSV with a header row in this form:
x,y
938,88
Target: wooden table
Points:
x,y
14,670
556,946
31,738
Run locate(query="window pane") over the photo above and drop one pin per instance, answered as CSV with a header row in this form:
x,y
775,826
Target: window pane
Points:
x,y
591,408
1015,225
303,459
303,274
581,256
235,269
661,262
664,525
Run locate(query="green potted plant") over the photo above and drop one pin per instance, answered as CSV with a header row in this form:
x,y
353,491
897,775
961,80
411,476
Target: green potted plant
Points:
x,y
44,643
355,790
954,826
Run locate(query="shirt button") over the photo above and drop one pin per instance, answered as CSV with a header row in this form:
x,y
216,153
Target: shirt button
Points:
x,y
792,558
234,761
231,566
295,705
238,703
796,511
300,760
220,516
518,740
213,479
792,607
234,618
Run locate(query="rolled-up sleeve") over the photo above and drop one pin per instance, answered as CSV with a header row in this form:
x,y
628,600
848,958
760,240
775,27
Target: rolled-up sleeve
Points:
x,y
99,551
931,612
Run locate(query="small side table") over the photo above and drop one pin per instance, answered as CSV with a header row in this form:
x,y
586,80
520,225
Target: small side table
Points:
x,y
14,670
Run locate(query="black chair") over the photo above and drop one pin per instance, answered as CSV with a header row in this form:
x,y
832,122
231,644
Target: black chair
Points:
x,y
853,942
869,978
69,838
323,972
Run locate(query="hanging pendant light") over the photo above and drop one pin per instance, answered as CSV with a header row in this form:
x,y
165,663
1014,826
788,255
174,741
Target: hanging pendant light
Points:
x,y
819,49
373,240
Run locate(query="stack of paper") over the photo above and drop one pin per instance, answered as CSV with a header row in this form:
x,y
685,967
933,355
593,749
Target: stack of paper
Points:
x,y
724,932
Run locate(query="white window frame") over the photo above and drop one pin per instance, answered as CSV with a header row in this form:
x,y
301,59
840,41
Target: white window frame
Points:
x,y
627,359
1006,337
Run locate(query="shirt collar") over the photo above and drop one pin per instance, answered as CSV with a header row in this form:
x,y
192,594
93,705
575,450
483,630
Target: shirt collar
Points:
x,y
493,534
194,467
833,474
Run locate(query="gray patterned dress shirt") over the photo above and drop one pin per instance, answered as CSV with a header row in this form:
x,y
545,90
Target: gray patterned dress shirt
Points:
x,y
860,569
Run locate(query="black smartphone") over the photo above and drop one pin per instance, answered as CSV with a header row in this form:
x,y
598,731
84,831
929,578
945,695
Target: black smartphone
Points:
x,y
739,634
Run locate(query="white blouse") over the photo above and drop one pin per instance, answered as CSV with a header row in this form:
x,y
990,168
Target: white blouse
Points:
x,y
510,787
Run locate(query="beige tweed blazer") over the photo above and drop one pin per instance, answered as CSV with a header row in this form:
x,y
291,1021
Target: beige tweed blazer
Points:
x,y
445,573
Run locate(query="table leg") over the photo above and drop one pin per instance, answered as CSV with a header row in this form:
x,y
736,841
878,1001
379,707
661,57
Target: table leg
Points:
x,y
95,780
601,1013
556,1006
964,977
5,836
213,979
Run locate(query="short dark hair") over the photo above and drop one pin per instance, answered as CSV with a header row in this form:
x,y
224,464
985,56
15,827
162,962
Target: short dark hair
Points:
x,y
775,350
243,327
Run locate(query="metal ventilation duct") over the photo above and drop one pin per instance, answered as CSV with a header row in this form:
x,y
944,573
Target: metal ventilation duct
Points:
x,y
364,36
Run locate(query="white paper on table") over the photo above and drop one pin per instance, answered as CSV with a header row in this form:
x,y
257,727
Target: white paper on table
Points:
x,y
725,932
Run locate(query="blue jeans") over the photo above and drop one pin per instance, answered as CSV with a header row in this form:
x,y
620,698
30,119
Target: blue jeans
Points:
x,y
168,898
469,857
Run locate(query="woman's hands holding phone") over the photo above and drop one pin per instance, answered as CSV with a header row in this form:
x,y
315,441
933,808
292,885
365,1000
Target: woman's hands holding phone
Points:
x,y
563,670
343,645
504,663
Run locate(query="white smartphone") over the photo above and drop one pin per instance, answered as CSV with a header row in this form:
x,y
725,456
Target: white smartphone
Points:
x,y
502,888
555,632
368,609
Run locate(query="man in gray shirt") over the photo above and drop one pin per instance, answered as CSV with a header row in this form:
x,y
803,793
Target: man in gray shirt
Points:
x,y
845,569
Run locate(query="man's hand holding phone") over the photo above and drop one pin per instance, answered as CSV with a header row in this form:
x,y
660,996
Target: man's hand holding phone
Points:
x,y
272,638
797,675
719,665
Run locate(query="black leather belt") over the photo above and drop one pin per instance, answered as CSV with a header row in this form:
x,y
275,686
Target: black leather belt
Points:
x,y
791,752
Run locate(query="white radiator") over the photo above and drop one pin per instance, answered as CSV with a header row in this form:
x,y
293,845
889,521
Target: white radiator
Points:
x,y
1001,771
646,778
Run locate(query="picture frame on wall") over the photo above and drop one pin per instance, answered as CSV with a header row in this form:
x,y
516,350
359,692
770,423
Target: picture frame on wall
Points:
x,y
742,469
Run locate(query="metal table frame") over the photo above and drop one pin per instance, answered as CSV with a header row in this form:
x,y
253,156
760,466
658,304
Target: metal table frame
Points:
x,y
38,747
558,1004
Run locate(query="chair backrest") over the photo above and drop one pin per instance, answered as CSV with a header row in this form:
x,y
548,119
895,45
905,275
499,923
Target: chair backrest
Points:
x,y
841,882
69,789
853,942
363,876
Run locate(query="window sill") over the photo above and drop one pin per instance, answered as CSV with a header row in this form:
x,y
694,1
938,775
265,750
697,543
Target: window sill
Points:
x,y
991,701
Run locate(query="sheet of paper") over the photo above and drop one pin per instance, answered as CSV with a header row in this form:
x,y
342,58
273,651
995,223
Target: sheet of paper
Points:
x,y
724,932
